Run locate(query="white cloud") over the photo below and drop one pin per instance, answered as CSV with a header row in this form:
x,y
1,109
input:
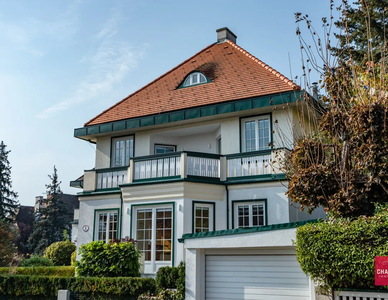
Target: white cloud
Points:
x,y
110,63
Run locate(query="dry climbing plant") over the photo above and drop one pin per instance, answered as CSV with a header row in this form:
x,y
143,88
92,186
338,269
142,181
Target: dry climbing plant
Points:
x,y
342,163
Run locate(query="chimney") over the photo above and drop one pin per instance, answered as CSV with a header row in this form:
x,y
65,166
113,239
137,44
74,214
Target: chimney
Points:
x,y
224,34
315,90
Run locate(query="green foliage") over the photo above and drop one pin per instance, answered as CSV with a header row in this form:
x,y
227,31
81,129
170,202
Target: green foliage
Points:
x,y
8,198
52,220
364,31
36,261
93,287
162,295
7,248
73,258
60,253
116,258
340,253
40,271
171,278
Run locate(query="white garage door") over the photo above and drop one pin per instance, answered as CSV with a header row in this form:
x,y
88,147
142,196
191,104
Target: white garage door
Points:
x,y
269,277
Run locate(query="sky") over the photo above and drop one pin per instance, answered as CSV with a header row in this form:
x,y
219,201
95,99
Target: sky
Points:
x,y
64,62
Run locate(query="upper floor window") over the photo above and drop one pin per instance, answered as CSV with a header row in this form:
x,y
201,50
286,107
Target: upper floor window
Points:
x,y
255,133
122,151
194,79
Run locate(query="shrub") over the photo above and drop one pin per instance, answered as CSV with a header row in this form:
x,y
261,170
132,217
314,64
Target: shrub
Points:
x,y
73,258
91,287
40,271
171,278
36,261
60,252
341,253
162,295
116,258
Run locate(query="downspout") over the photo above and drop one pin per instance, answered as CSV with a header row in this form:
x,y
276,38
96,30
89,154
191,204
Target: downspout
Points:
x,y
122,214
227,206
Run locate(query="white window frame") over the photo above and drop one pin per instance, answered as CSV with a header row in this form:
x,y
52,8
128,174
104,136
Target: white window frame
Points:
x,y
107,228
211,216
189,80
250,204
165,147
152,265
123,157
256,119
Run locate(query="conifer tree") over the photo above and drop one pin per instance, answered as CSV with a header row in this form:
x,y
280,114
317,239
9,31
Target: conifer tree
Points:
x,y
51,221
8,198
364,29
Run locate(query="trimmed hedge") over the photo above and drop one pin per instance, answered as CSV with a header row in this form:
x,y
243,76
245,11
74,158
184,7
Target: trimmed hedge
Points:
x,y
171,278
40,271
36,261
340,253
44,286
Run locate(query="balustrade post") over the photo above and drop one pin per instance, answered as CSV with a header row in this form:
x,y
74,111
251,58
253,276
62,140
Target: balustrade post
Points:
x,y
223,168
131,171
183,165
90,181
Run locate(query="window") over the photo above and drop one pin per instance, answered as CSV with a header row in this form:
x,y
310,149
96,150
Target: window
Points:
x,y
249,214
160,149
122,151
154,233
203,217
194,79
255,133
106,225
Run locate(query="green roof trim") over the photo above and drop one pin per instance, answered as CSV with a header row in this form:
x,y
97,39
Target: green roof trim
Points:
x,y
245,230
100,192
191,113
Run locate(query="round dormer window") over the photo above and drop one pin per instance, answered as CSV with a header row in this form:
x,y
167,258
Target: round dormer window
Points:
x,y
194,79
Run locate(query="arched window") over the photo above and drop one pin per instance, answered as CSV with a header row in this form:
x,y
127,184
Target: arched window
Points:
x,y
194,79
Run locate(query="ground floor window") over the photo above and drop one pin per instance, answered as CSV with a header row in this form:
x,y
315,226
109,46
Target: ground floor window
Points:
x,y
153,232
249,214
106,222
203,216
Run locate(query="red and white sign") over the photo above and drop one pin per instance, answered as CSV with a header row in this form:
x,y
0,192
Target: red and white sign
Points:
x,y
381,270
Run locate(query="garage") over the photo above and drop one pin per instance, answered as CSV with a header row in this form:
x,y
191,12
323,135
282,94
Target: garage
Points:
x,y
246,263
255,277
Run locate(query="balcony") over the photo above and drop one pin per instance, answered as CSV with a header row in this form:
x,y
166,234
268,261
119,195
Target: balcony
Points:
x,y
204,166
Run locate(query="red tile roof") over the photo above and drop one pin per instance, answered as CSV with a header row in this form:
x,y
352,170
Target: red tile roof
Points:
x,y
235,74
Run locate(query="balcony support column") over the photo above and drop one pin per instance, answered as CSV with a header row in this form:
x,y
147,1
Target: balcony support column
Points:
x,y
184,165
131,171
223,168
90,181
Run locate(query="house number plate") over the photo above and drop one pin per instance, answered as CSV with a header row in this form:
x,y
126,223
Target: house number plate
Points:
x,y
85,228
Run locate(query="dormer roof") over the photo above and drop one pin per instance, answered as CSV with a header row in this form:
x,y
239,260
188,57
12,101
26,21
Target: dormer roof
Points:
x,y
234,74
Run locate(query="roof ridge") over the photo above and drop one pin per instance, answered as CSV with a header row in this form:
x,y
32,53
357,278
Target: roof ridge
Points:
x,y
160,77
264,65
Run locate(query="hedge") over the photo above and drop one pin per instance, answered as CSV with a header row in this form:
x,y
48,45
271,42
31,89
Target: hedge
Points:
x,y
40,271
119,257
340,253
60,253
171,278
45,286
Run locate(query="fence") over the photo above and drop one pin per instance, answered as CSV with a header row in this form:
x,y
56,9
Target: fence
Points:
x,y
360,295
